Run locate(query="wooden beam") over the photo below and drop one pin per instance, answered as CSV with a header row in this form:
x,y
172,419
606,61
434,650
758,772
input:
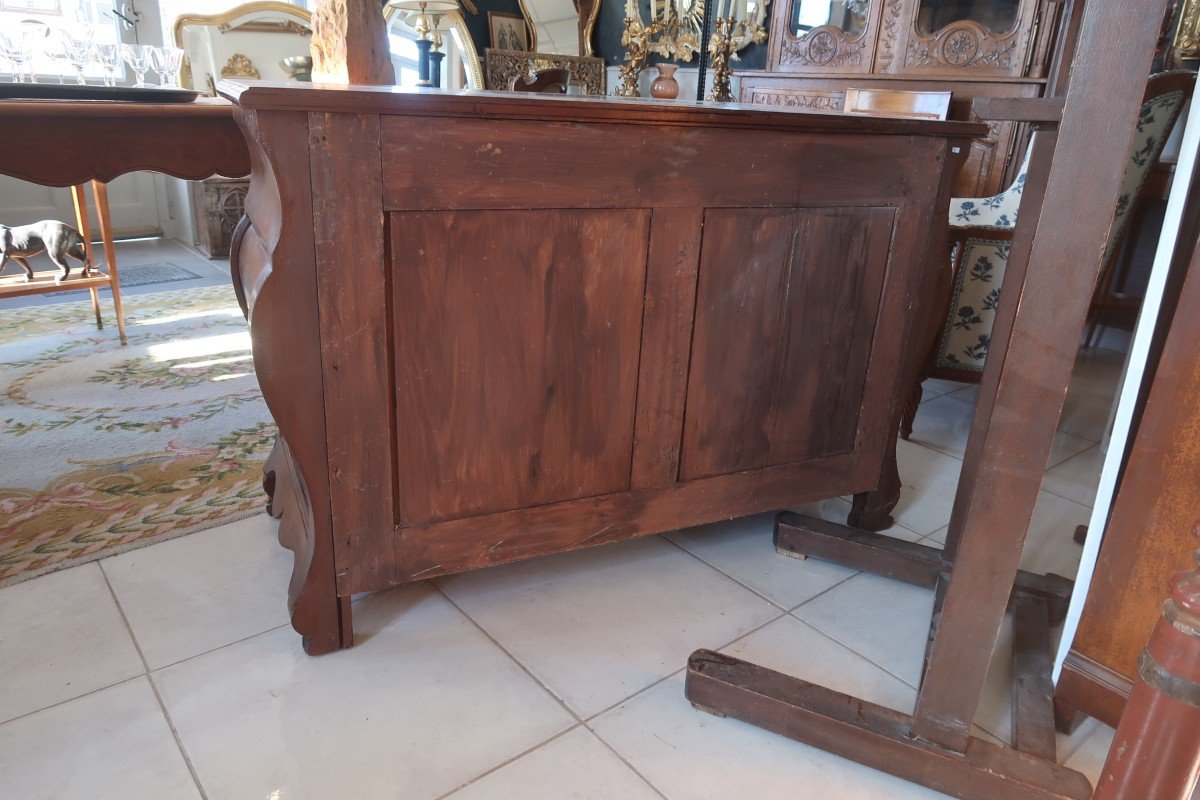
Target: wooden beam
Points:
x,y
350,44
870,734
1035,340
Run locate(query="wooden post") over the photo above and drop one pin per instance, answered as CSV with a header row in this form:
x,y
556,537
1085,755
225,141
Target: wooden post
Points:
x,y
349,43
1156,752
100,190
79,199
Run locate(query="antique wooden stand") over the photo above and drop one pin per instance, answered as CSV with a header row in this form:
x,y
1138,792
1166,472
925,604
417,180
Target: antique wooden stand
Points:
x,y
1036,336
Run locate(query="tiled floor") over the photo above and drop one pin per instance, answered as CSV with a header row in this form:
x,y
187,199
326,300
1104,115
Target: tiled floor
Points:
x,y
170,672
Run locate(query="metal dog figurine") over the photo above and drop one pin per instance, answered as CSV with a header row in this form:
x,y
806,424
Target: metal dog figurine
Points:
x,y
58,239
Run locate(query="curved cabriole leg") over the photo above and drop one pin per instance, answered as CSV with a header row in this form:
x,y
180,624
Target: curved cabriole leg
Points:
x,y
872,511
274,274
318,614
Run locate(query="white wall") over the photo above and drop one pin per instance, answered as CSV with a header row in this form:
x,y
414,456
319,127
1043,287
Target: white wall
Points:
x,y
686,76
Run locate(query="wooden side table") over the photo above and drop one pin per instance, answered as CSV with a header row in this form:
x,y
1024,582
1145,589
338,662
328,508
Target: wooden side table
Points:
x,y
44,282
74,142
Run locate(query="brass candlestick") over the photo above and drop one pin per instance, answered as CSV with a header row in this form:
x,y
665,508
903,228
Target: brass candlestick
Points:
x,y
637,40
722,51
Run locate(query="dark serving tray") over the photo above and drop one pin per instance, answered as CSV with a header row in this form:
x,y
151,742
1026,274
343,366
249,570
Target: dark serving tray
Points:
x,y
73,91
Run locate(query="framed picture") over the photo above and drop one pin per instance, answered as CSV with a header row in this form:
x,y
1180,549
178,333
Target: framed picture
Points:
x,y
508,31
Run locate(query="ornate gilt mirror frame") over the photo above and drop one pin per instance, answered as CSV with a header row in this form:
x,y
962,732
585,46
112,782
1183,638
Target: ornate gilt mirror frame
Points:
x,y
1187,35
590,7
224,22
462,38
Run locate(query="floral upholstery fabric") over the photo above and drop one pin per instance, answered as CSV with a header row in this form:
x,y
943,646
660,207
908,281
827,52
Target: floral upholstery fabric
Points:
x,y
967,330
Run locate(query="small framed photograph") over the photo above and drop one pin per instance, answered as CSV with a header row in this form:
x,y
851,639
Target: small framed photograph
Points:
x,y
508,31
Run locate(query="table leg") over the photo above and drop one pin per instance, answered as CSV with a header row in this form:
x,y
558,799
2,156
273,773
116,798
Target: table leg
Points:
x,y
79,200
100,190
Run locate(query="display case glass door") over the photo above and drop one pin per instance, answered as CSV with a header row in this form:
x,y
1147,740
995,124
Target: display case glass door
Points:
x,y
825,36
985,38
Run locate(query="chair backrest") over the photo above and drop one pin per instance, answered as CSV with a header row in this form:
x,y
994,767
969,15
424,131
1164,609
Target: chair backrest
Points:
x,y
1165,95
553,81
897,103
248,41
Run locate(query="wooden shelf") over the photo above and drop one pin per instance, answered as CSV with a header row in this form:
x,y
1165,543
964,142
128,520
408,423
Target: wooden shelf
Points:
x,y
15,285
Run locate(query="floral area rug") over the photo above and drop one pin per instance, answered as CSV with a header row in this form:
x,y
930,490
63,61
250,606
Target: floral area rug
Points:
x,y
107,447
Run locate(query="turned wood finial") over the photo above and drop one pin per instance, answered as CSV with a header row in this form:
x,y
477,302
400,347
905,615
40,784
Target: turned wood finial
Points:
x,y
1153,754
349,43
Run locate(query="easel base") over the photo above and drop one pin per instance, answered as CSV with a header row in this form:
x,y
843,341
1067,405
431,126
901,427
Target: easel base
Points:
x,y
800,536
880,737
877,737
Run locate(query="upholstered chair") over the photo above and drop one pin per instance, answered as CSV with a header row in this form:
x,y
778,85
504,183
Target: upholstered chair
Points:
x,y
981,230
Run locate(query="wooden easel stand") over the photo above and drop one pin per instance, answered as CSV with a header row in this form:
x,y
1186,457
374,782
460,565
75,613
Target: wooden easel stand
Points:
x,y
1061,233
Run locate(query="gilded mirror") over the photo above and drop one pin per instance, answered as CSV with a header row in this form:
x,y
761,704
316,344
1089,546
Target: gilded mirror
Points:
x,y
690,14
461,66
561,27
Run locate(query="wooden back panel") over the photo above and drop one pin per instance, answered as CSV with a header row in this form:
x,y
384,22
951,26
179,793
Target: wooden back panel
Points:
x,y
517,337
787,303
551,323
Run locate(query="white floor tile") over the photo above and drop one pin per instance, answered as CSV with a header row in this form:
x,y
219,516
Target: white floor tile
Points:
x,y
743,549
421,705
1089,757
196,593
113,744
575,765
928,480
1050,545
935,387
944,424
1077,477
597,625
61,636
884,620
692,755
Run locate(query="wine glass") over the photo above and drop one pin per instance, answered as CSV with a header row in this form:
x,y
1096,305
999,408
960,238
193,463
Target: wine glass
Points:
x,y
108,56
137,56
77,44
12,50
166,62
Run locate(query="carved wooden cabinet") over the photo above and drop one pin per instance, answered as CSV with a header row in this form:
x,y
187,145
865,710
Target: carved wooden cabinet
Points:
x,y
974,48
492,326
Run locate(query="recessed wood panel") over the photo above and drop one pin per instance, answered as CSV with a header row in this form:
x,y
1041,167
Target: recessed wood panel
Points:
x,y
786,306
517,340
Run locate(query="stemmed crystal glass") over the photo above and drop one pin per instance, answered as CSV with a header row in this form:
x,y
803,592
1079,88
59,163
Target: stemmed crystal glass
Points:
x,y
166,62
137,56
77,44
13,50
108,56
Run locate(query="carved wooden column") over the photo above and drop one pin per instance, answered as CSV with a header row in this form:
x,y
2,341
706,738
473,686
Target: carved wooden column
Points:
x,y
349,43
1156,752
